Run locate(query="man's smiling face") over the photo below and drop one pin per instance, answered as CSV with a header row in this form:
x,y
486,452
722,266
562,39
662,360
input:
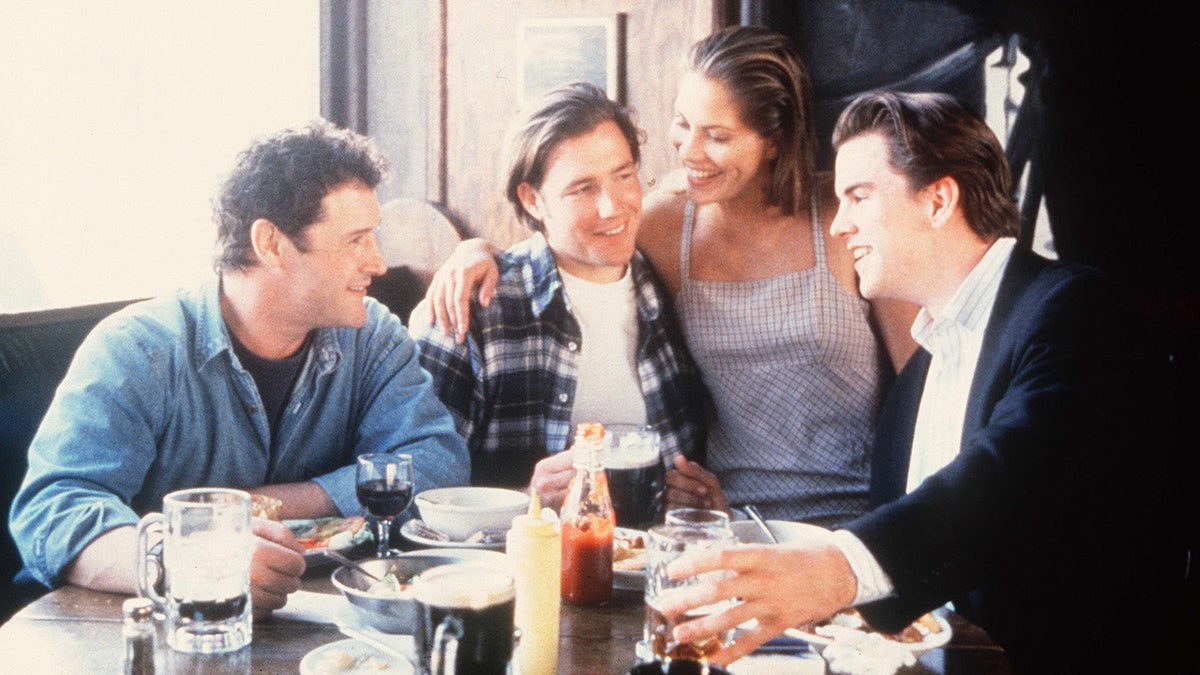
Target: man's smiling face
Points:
x,y
330,276
590,203
882,221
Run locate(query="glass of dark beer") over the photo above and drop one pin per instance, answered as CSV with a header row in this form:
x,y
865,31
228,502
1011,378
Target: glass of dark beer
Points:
x,y
633,462
666,543
464,620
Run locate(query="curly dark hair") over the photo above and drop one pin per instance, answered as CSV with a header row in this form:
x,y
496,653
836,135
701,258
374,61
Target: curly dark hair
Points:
x,y
283,179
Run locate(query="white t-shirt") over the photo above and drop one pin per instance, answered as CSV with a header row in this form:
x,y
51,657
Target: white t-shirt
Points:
x,y
608,390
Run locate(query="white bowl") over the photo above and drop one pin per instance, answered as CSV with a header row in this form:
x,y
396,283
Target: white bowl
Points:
x,y
462,511
748,531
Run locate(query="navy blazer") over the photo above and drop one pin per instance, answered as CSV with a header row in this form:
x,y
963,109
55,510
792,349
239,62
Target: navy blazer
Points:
x,y
1040,516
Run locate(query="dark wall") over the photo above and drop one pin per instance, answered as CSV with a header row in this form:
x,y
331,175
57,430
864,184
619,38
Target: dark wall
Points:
x,y
853,46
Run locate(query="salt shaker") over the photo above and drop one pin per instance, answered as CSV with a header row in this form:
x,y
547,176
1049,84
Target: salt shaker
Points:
x,y
140,636
535,548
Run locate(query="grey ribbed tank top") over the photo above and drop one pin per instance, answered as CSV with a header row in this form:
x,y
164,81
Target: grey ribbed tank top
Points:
x,y
793,367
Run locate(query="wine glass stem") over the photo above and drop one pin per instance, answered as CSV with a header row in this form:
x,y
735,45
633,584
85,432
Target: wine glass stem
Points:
x,y
384,526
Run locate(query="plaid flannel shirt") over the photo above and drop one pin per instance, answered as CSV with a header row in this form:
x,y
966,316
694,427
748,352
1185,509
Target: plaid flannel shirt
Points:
x,y
511,385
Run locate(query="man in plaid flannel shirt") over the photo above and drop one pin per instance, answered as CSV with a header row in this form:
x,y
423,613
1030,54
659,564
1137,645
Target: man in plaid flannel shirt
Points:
x,y
579,328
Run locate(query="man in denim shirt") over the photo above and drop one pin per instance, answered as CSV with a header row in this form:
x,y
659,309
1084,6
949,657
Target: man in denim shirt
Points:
x,y
270,378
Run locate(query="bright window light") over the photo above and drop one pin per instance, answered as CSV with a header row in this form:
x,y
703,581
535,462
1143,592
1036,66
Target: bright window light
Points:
x,y
120,120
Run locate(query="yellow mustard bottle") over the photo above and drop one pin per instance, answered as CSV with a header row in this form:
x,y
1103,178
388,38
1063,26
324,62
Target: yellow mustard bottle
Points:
x,y
534,549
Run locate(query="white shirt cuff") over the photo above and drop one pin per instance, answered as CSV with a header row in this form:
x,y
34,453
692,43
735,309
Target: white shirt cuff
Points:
x,y
873,582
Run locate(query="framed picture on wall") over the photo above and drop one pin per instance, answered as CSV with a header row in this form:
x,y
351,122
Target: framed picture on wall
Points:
x,y
564,50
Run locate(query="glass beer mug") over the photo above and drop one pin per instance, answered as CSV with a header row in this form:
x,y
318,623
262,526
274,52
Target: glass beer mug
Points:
x,y
205,568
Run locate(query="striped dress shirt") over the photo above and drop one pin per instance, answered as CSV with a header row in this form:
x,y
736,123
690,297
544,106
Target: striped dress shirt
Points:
x,y
953,339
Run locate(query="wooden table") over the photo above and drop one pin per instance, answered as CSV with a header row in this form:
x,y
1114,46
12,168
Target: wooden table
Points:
x,y
74,630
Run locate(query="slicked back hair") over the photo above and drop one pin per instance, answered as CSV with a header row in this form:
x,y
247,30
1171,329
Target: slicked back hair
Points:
x,y
931,136
771,86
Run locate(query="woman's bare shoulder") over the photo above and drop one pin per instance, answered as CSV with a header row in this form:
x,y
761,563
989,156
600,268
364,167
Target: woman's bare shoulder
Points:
x,y
663,207
661,229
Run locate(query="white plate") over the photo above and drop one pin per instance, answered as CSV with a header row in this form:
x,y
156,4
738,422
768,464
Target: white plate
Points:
x,y
630,580
931,641
341,542
778,664
748,531
353,649
408,533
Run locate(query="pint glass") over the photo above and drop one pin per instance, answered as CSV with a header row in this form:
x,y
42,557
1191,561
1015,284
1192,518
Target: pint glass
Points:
x,y
633,462
668,542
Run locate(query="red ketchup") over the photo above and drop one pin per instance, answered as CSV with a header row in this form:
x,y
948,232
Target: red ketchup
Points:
x,y
587,524
587,559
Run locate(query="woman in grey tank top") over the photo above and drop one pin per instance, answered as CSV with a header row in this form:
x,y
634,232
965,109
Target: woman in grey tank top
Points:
x,y
770,309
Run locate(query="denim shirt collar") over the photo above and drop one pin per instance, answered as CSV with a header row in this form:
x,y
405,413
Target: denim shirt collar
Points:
x,y
542,281
212,335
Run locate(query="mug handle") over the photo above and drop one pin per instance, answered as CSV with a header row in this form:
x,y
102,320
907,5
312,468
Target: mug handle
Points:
x,y
147,559
445,646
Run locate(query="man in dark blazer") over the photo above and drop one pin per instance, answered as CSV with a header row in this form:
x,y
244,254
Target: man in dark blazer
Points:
x,y
1020,470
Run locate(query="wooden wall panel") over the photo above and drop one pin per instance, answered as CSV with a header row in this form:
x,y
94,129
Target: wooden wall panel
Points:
x,y
481,91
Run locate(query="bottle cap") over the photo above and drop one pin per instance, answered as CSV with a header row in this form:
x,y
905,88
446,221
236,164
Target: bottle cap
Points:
x,y
590,431
589,446
138,609
537,522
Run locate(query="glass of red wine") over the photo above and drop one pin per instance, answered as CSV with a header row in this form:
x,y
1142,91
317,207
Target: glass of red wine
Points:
x,y
384,484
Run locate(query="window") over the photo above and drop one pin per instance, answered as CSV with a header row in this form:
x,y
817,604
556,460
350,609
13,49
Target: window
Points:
x,y
1004,92
120,120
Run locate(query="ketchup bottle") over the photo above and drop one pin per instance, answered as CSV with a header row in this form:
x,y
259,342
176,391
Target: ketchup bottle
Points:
x,y
587,524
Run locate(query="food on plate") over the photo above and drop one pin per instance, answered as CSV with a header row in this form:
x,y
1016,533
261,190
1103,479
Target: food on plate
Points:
x,y
629,551
914,633
339,661
920,629
390,586
326,532
854,652
262,506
